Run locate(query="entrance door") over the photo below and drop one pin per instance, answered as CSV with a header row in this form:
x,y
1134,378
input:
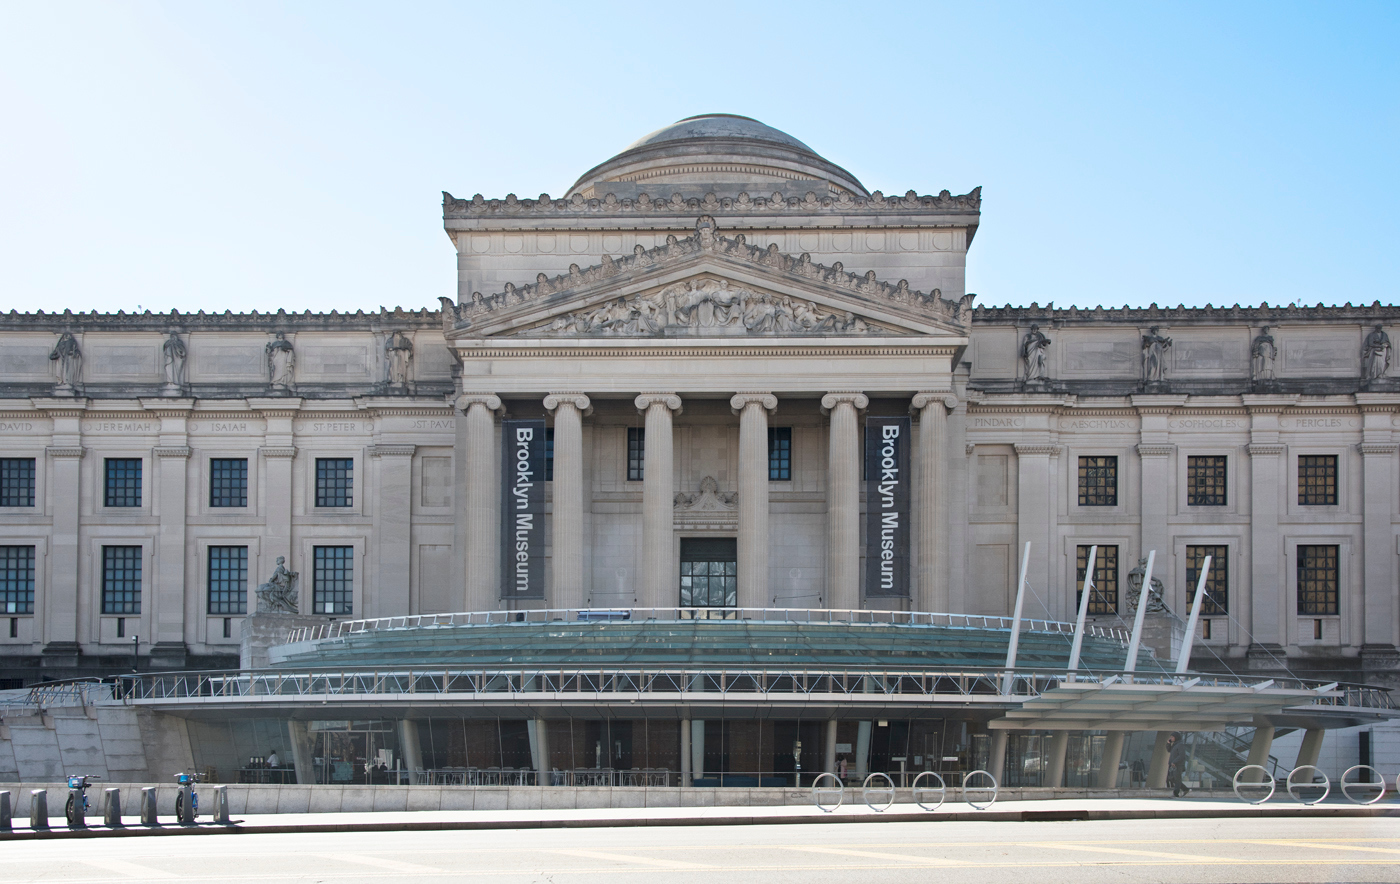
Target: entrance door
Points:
x,y
709,572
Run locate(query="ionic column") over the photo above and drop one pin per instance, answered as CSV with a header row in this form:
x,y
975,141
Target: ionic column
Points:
x,y
932,499
566,586
753,409
658,500
479,509
843,499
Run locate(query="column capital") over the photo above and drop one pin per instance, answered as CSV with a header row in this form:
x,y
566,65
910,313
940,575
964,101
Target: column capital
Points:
x,y
178,451
1265,449
1377,448
646,400
1031,450
392,450
577,400
74,451
833,399
925,399
465,401
1145,449
742,400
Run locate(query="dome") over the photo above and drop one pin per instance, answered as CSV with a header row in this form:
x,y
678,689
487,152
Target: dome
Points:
x,y
724,153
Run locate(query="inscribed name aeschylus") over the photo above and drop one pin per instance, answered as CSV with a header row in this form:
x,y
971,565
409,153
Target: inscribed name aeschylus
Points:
x,y
522,509
887,507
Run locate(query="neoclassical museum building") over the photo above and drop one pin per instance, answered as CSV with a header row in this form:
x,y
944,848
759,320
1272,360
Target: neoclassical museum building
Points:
x,y
715,380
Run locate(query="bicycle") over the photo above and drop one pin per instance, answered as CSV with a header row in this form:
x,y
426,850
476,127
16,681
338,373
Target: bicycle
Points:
x,y
75,816
183,780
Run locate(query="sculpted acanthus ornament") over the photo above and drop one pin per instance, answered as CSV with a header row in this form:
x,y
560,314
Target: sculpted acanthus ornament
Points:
x,y
708,499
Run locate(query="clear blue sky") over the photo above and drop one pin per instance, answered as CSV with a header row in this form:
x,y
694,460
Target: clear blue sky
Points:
x,y
256,155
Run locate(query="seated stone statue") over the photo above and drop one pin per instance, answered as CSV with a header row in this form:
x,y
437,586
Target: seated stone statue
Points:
x,y
279,594
1155,603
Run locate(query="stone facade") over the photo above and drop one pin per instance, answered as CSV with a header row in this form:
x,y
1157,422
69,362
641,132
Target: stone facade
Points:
x,y
679,298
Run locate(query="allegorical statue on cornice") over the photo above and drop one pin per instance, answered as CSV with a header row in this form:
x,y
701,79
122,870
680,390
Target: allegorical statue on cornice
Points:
x,y
68,359
1154,356
398,360
1155,603
1262,354
279,594
281,360
173,355
1033,351
1375,355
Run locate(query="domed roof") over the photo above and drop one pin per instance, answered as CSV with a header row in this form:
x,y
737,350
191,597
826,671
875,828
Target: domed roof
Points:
x,y
724,153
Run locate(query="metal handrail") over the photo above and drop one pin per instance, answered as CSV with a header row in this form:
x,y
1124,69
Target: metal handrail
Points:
x,y
834,616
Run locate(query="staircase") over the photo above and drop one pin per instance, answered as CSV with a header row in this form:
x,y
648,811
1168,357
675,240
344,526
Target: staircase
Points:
x,y
1222,753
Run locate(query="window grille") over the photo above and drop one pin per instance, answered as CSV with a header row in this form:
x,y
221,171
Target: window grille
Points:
x,y
228,482
228,579
1103,594
17,481
123,482
636,453
335,481
1318,577
1317,480
16,580
779,454
1205,481
1217,582
121,579
1098,481
333,580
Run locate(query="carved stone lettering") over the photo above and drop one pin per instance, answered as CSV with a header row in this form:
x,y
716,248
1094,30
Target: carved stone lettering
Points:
x,y
999,422
1207,423
119,427
1096,424
16,426
435,424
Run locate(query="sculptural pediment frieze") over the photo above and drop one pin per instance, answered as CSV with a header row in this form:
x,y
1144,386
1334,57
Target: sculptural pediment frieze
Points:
x,y
840,303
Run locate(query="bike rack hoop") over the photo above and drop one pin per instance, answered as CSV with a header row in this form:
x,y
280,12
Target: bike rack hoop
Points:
x,y
1326,784
820,792
992,789
1379,781
868,789
941,790
1266,778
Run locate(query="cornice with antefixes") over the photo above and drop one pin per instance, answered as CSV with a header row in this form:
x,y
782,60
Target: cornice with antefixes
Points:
x,y
776,203
1050,316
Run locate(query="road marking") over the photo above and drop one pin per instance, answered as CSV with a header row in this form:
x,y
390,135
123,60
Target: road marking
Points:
x,y
624,858
1291,843
1193,857
844,851
123,867
381,863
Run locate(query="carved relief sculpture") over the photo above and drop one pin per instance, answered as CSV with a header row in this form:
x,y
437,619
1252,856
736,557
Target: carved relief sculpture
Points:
x,y
1154,356
398,360
1375,355
708,499
173,365
279,594
1155,603
281,360
1262,353
1033,351
68,361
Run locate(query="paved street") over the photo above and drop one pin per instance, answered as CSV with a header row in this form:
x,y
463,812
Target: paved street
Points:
x,y
1264,850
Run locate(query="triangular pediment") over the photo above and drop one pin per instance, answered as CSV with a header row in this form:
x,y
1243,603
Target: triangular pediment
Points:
x,y
707,286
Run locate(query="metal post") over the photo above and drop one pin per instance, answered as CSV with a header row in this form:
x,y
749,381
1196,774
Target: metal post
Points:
x,y
112,808
1183,662
1078,644
685,753
221,805
148,806
6,813
1131,664
1016,622
38,809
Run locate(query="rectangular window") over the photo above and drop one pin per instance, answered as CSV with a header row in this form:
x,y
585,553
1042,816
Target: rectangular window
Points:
x,y
121,579
1205,481
1103,593
779,454
1098,481
1318,576
1217,581
549,454
17,481
228,481
16,580
333,581
1317,480
636,453
228,579
335,480
123,482
709,572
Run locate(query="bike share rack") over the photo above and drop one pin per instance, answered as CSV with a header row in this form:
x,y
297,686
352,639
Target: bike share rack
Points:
x,y
1308,784
992,789
1266,779
920,792
868,790
1360,784
819,792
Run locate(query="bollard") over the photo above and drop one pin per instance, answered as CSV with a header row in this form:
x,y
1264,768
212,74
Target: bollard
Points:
x,y
5,813
221,805
148,806
39,810
112,808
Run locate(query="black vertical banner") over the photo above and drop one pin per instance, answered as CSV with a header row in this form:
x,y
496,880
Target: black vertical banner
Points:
x,y
522,509
887,499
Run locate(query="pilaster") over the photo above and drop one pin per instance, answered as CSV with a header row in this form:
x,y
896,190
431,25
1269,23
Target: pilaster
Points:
x,y
393,511
173,611
278,452
1261,609
64,621
1379,629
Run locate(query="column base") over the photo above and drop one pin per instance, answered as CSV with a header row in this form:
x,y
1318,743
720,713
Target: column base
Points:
x,y
169,655
60,655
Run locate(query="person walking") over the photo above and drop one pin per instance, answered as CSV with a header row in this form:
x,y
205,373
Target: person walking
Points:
x,y
1176,767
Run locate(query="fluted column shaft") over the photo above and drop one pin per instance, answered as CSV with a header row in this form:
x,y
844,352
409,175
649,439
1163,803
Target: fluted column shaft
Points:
x,y
481,501
932,499
753,411
657,587
566,586
843,499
